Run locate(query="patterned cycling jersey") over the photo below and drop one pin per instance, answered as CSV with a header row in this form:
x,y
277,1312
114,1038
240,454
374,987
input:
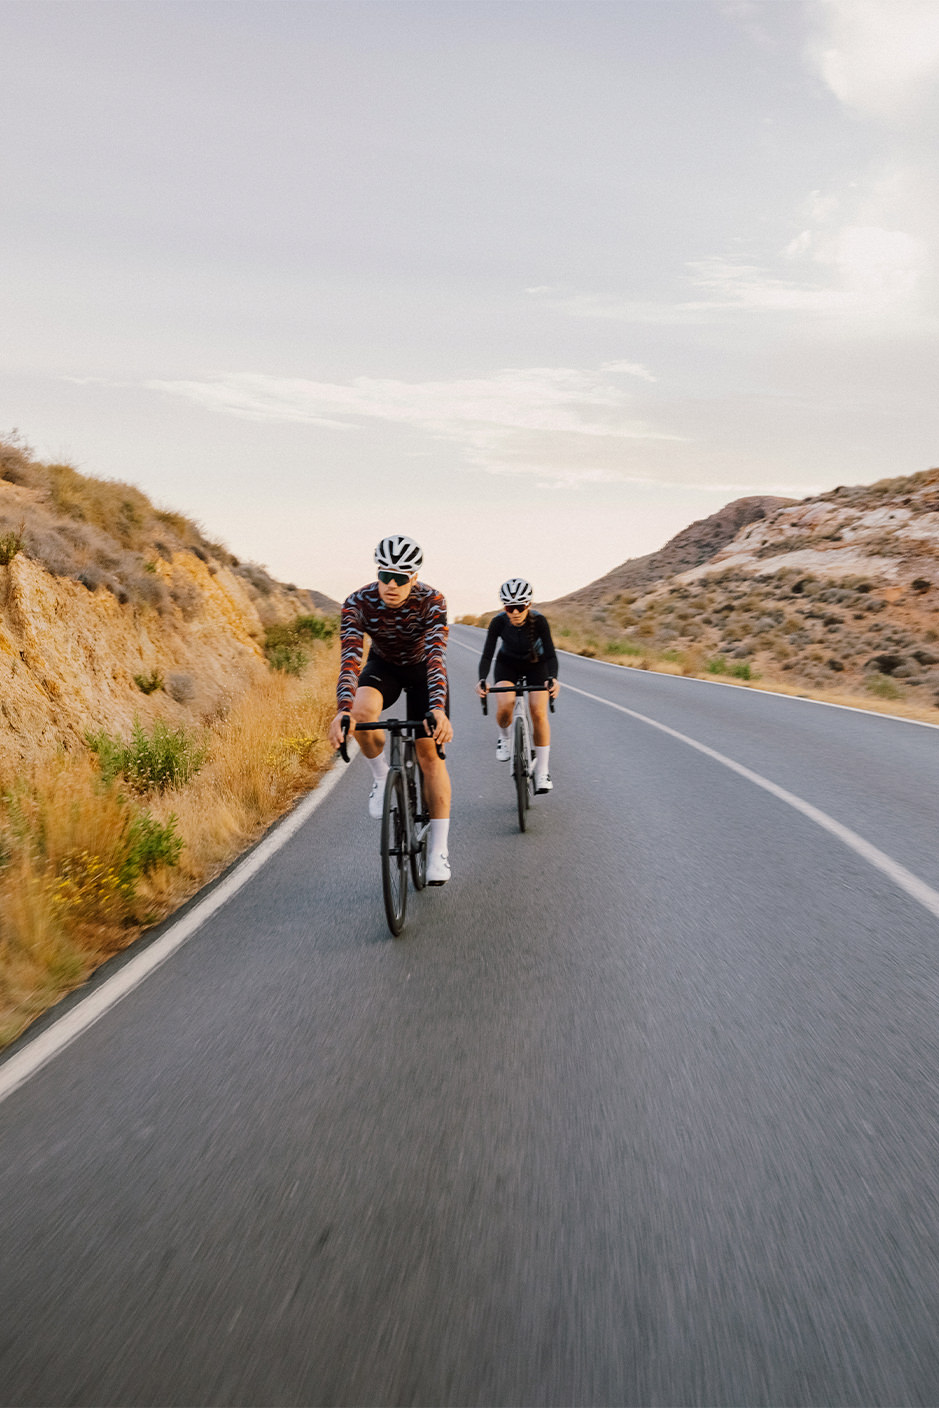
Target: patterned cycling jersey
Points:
x,y
403,635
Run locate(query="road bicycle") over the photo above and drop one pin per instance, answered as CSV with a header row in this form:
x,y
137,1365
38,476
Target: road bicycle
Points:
x,y
523,750
405,819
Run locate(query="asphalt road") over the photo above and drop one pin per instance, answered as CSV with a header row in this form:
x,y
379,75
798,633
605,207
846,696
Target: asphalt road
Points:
x,y
642,1108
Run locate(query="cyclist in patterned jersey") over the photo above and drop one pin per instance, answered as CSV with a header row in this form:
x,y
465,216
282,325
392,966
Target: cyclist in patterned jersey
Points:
x,y
406,622
526,649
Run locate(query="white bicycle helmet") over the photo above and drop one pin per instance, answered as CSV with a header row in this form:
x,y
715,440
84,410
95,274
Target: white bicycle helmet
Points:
x,y
398,554
516,591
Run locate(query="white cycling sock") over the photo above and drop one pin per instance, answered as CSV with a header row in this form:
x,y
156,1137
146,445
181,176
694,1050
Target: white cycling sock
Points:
x,y
379,767
439,829
541,760
505,733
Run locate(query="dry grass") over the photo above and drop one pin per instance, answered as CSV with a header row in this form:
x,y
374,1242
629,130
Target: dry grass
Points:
x,y
73,888
107,533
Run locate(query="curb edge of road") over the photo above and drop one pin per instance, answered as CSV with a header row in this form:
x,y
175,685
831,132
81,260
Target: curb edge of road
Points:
x,y
40,1030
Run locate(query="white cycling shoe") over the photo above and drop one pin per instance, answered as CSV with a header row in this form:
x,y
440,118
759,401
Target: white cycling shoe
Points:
x,y
438,868
544,783
376,800
503,750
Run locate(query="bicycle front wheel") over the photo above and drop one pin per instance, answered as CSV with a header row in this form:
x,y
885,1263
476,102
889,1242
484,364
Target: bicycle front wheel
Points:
x,y
520,772
394,851
419,820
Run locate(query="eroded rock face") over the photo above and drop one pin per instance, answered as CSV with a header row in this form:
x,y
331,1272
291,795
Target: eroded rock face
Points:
x,y
69,656
112,609
845,584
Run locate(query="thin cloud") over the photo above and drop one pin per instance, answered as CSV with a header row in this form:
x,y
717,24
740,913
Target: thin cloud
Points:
x,y
879,57
565,424
870,270
855,270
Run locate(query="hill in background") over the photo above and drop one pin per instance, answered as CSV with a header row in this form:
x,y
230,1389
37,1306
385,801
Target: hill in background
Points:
x,y
689,548
836,591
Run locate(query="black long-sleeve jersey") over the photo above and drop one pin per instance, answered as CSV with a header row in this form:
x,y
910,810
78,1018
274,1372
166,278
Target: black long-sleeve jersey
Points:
x,y
530,643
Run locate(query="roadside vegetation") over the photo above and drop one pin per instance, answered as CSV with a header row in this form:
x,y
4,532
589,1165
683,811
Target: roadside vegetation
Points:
x,y
875,691
723,631
97,845
121,794
288,646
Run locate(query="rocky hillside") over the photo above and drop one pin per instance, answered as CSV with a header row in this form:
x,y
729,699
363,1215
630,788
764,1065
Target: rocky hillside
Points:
x,y
689,548
112,609
841,589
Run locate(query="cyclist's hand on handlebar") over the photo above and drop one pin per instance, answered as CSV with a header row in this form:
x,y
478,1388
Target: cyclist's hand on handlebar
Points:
x,y
482,689
444,730
554,689
335,728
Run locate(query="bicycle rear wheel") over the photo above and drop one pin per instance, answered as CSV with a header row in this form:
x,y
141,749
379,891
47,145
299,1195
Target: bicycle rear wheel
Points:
x,y
419,820
394,851
520,772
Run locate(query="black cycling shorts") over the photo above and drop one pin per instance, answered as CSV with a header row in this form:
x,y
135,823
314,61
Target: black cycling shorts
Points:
x,y
389,679
512,668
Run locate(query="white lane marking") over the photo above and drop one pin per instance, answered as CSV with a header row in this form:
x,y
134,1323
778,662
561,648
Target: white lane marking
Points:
x,y
905,879
37,1053
725,684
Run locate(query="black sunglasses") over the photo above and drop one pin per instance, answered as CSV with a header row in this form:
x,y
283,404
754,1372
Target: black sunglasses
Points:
x,y
513,609
400,579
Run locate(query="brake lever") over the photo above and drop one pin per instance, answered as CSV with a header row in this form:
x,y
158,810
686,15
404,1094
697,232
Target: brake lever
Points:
x,y
343,752
430,723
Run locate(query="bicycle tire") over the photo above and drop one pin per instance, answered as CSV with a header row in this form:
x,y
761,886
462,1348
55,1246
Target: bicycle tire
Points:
x,y
419,819
519,772
394,857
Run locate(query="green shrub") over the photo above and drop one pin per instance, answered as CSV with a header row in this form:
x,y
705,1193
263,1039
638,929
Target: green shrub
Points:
x,y
741,670
290,659
717,666
316,627
149,845
149,684
621,647
883,687
283,643
10,544
156,761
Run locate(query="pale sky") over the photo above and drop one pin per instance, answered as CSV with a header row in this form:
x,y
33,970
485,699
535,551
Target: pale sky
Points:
x,y
537,283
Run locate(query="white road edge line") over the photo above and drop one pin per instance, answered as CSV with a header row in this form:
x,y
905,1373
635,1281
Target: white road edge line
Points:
x,y
769,693
37,1053
904,879
726,684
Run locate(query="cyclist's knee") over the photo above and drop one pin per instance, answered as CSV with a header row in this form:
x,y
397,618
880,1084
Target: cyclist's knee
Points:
x,y
364,713
428,756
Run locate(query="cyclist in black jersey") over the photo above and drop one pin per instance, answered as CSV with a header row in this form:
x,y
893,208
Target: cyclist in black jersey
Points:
x,y
526,649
